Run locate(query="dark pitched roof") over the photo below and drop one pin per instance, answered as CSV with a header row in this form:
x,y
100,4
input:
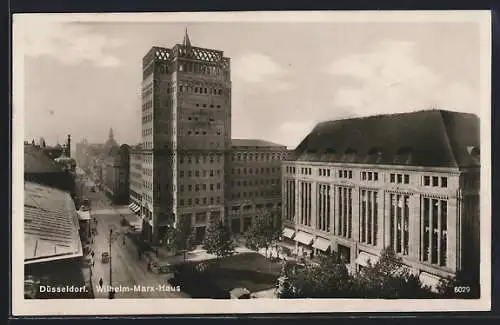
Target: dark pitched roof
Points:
x,y
36,161
253,143
434,138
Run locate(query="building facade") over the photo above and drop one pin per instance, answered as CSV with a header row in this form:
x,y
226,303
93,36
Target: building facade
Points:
x,y
406,181
115,174
135,179
253,182
186,132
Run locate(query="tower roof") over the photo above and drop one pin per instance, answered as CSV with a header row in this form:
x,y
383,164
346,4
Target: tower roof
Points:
x,y
186,41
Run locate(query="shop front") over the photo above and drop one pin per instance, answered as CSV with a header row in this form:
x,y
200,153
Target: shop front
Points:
x,y
321,246
303,242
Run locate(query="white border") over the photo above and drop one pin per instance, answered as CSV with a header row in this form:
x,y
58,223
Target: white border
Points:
x,y
20,307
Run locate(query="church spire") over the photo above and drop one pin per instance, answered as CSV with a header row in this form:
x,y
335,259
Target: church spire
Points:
x,y
186,41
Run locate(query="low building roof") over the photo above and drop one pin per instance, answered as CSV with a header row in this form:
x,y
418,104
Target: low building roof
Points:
x,y
50,225
430,138
253,143
36,161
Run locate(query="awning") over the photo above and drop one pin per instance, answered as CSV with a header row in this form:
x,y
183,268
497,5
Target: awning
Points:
x,y
288,232
137,208
322,244
430,280
131,205
364,259
304,238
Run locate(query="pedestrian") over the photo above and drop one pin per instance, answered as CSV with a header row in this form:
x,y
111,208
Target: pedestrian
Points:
x,y
101,282
92,254
93,262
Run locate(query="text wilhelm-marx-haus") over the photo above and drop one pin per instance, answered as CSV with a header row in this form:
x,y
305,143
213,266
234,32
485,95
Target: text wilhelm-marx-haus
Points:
x,y
409,181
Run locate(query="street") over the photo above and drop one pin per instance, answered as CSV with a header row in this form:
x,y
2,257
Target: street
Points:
x,y
127,270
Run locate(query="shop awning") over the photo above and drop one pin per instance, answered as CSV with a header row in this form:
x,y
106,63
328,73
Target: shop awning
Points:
x,y
322,244
304,238
137,208
288,232
430,280
131,205
364,259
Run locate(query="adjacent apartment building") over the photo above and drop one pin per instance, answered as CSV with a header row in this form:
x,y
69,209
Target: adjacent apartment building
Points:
x,y
409,181
186,150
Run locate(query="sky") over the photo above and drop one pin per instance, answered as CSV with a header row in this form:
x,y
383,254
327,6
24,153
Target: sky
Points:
x,y
85,78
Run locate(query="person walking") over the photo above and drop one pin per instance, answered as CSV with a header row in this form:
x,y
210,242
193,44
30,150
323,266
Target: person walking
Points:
x,y
101,282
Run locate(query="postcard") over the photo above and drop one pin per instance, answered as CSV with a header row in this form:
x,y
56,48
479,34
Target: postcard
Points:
x,y
251,162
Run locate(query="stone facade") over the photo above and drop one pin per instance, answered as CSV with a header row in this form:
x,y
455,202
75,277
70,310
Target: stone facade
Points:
x,y
428,214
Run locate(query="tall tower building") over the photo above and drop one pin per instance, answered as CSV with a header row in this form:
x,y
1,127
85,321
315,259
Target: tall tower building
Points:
x,y
186,136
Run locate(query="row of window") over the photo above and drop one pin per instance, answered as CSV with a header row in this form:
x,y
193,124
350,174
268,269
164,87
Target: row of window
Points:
x,y
250,170
204,132
147,105
200,159
269,193
324,172
147,118
256,182
199,173
200,201
436,181
147,131
200,90
198,187
369,176
258,156
433,218
256,207
206,105
200,69
345,173
395,178
400,178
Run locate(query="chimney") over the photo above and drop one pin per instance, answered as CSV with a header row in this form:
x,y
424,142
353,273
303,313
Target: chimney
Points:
x,y
68,146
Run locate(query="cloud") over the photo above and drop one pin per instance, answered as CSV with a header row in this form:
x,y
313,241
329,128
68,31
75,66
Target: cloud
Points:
x,y
261,70
70,44
390,79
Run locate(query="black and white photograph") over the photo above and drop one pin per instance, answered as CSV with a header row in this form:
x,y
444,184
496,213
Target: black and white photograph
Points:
x,y
251,162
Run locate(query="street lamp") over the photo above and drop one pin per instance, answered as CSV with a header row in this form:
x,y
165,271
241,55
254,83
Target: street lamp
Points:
x,y
111,293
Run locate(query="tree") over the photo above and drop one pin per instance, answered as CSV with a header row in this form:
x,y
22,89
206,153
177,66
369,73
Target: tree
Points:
x,y
329,279
389,279
218,239
181,237
263,233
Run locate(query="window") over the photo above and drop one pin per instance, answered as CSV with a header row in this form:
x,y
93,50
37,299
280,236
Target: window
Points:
x,y
435,181
363,176
370,176
393,178
375,176
368,217
400,178
407,179
181,202
399,223
433,238
427,180
444,182
344,217
324,209
305,203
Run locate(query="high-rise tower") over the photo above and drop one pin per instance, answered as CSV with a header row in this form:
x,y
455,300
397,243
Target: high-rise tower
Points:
x,y
186,133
